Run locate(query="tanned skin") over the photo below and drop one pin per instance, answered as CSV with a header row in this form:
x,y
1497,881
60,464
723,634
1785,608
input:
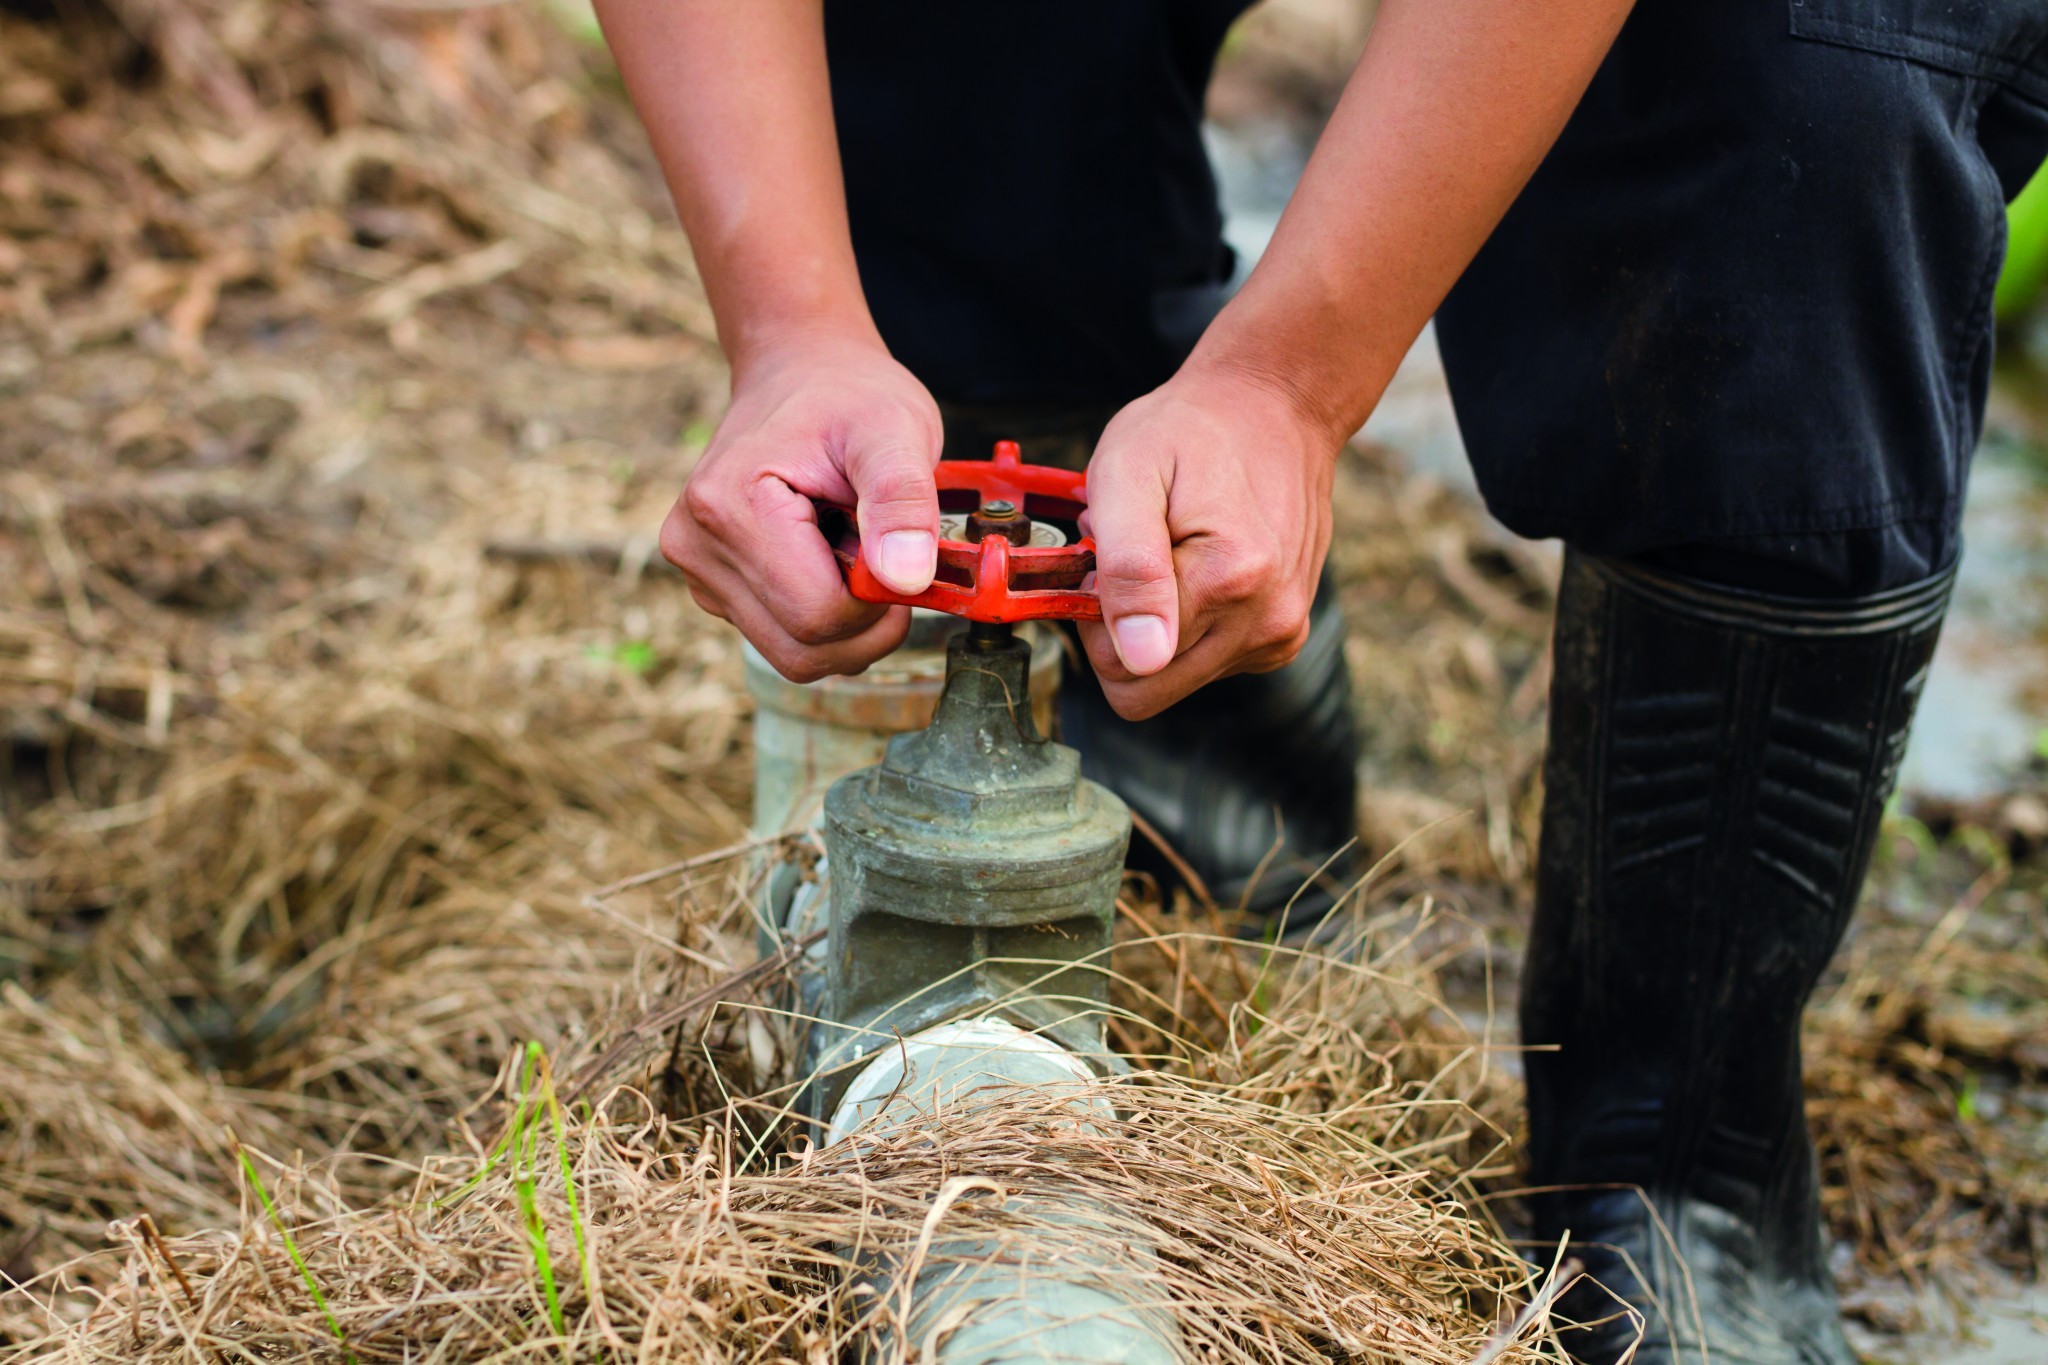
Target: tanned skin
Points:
x,y
1211,494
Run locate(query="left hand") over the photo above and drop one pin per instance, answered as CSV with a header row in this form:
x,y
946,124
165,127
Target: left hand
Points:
x,y
1209,501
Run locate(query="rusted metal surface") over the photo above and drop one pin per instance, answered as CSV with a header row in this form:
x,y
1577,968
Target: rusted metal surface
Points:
x,y
998,517
973,870
809,735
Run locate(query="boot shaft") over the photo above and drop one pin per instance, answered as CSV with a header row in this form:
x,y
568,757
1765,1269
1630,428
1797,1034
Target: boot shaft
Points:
x,y
1719,763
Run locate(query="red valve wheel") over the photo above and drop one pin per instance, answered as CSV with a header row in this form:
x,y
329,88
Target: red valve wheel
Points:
x,y
992,581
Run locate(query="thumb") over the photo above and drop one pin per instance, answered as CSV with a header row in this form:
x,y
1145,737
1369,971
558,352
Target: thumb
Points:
x,y
1134,562
896,504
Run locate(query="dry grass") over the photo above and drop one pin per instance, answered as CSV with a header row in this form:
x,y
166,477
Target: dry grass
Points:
x,y
1921,1065
354,372
346,364
1299,1188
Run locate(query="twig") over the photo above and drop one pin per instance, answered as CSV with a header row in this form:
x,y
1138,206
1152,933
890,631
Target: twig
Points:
x,y
610,555
1563,1278
659,1021
178,36
1198,888
1480,595
398,299
677,869
156,1244
49,521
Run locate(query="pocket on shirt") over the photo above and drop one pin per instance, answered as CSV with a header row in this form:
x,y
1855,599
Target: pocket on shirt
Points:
x,y
2005,41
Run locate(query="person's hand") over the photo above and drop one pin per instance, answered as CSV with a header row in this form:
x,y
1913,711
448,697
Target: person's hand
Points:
x,y
833,419
1209,501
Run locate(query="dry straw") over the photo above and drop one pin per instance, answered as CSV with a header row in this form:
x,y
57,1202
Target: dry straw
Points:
x,y
320,741
1294,1165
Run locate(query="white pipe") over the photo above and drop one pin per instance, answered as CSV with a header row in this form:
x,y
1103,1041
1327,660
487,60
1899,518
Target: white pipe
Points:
x,y
1090,1299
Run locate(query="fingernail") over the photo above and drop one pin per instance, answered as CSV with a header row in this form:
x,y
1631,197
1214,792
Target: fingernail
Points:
x,y
907,560
1142,643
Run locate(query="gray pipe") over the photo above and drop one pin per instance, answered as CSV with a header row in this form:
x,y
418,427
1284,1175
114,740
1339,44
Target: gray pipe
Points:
x,y
1082,1295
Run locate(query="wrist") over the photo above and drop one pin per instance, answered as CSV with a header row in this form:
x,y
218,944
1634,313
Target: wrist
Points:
x,y
772,296
765,344
1257,384
1329,353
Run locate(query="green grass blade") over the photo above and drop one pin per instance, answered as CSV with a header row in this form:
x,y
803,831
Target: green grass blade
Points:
x,y
502,1146
291,1249
583,1266
525,1157
537,1236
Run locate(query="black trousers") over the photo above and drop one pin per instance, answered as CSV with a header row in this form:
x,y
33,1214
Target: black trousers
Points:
x,y
1738,326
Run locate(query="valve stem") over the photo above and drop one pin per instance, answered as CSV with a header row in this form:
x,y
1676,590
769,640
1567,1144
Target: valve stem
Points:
x,y
999,517
989,635
996,517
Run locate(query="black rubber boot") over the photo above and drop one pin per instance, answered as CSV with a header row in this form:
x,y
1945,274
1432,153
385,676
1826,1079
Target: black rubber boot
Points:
x,y
1718,764
1253,780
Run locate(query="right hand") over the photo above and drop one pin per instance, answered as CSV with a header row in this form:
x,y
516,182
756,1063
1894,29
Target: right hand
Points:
x,y
841,421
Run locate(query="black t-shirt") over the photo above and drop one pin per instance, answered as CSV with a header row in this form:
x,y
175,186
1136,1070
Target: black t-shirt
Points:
x,y
1032,208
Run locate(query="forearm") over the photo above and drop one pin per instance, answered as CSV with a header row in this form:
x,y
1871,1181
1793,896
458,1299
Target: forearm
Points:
x,y
736,101
1450,110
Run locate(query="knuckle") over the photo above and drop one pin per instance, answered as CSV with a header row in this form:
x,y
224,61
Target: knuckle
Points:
x,y
1132,704
1246,574
1285,623
706,600
1283,651
675,542
1101,655
814,631
900,494
884,450
798,665
1133,566
685,543
706,504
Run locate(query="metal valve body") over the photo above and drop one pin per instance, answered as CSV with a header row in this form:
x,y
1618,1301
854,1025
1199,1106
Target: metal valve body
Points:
x,y
972,879
974,871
